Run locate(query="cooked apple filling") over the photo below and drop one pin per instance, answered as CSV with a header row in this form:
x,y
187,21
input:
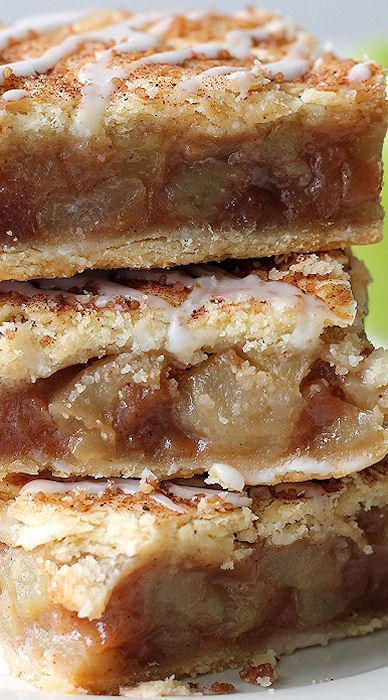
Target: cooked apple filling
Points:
x,y
279,421
205,583
262,366
331,184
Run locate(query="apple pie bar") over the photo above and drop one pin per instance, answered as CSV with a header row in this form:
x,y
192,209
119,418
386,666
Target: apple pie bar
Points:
x,y
162,139
257,371
107,583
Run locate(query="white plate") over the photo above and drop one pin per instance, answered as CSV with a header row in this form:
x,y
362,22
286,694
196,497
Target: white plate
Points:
x,y
355,669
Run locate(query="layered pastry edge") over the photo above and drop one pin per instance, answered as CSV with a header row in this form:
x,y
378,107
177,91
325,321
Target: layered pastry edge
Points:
x,y
205,243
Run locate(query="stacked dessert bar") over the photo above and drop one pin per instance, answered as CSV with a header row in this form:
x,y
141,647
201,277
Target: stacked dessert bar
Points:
x,y
193,422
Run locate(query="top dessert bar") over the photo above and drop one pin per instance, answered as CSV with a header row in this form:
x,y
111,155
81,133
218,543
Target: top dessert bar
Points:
x,y
162,139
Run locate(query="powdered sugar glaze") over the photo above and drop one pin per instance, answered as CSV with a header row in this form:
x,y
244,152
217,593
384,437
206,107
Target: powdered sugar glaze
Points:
x,y
132,487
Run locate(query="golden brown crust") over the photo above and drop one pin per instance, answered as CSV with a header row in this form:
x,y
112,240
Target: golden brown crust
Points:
x,y
31,260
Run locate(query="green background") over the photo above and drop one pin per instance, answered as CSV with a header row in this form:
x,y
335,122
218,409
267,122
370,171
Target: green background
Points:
x,y
376,256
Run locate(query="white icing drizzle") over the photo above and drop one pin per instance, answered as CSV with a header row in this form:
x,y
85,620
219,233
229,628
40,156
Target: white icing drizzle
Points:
x,y
302,489
238,43
163,500
89,487
29,290
188,493
177,57
43,63
152,18
93,487
136,42
226,476
279,26
49,59
25,289
191,85
162,21
39,24
221,70
257,33
13,95
310,467
292,68
310,311
168,277
94,99
98,76
118,33
243,81
173,58
161,26
110,290
210,285
360,72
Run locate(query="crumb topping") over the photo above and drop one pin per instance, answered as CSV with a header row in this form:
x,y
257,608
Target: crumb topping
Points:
x,y
164,57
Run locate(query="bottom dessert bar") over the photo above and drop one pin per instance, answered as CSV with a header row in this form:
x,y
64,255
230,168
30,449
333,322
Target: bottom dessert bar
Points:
x,y
105,584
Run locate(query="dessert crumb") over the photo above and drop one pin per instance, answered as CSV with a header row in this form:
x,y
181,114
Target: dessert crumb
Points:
x,y
148,481
263,674
167,688
218,688
171,687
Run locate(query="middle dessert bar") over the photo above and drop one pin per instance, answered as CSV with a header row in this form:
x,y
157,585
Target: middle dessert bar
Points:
x,y
257,371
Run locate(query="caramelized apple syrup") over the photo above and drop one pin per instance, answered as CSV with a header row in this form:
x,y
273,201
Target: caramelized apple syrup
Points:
x,y
166,615
276,176
226,409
